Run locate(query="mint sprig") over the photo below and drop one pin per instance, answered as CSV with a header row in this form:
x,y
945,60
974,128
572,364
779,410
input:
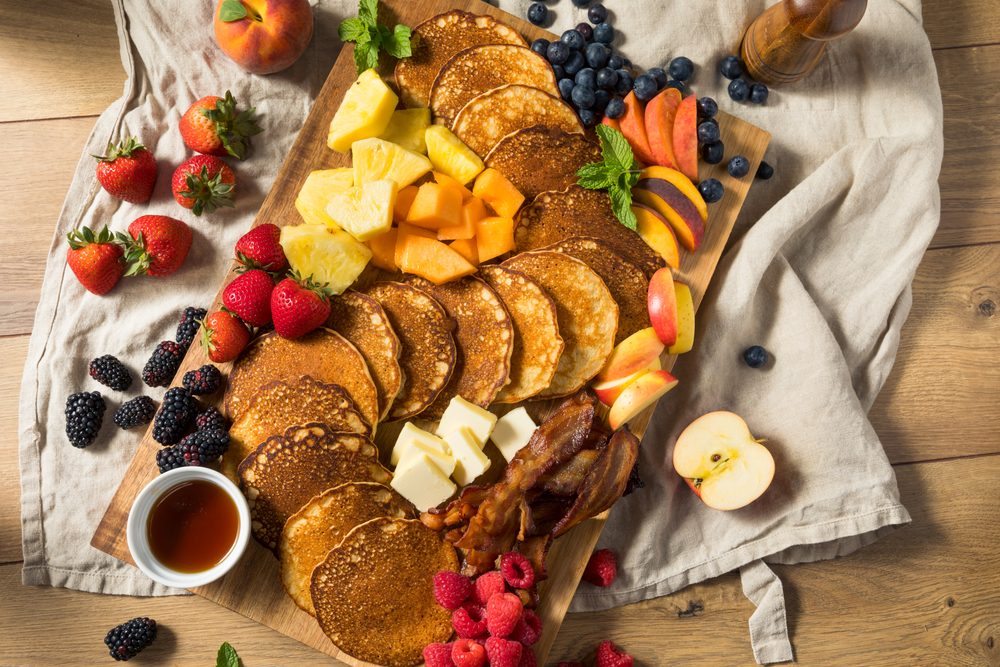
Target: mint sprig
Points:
x,y
616,173
368,37
227,656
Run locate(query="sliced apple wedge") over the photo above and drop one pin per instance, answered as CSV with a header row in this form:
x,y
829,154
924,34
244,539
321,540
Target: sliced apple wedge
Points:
x,y
640,395
632,354
661,298
657,233
609,391
722,463
685,319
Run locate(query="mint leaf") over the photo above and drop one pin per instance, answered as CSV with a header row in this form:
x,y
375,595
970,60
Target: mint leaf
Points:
x,y
232,10
227,656
399,45
592,169
365,56
621,201
353,30
596,181
368,12
614,147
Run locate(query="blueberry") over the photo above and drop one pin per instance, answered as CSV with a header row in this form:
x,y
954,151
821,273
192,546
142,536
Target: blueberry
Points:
x,y
710,120
585,30
575,63
615,108
604,33
755,357
732,67
616,62
712,153
738,89
597,55
707,107
764,171
658,74
739,167
601,99
566,88
674,84
628,64
583,96
607,78
681,68
758,93
573,40
708,133
625,82
559,71
597,15
581,3
537,13
587,117
586,77
540,46
711,190
644,87
557,53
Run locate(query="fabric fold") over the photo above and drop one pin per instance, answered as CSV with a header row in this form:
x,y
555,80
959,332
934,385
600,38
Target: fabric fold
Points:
x,y
768,624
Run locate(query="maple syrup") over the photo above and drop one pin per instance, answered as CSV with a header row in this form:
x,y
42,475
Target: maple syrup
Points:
x,y
193,526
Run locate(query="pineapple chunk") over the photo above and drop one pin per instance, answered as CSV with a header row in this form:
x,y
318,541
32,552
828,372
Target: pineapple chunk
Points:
x,y
365,212
450,155
330,256
407,127
320,187
365,112
375,159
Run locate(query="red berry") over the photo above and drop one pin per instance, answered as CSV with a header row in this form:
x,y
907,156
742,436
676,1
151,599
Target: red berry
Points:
x,y
224,336
249,296
528,658
601,568
469,620
203,183
95,259
467,653
503,611
299,306
438,655
212,126
503,653
528,629
516,570
155,245
451,589
570,664
609,656
260,248
486,586
127,172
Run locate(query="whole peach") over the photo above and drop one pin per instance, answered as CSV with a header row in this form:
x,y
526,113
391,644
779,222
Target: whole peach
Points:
x,y
272,35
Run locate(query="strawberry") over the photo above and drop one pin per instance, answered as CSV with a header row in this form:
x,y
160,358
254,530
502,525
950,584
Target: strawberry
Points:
x,y
96,260
259,249
212,126
155,245
224,336
204,183
299,306
127,171
249,296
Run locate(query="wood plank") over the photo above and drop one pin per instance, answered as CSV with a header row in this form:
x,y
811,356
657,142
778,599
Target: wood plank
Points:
x,y
14,352
58,59
955,23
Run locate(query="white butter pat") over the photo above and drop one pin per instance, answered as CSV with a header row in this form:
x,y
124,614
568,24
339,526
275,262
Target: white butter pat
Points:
x,y
513,432
422,483
444,462
470,462
462,413
410,434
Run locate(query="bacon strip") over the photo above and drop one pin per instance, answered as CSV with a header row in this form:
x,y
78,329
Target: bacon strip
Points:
x,y
565,479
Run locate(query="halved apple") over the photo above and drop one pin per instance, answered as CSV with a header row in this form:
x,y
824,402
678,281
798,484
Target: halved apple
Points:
x,y
660,114
609,391
632,354
661,298
640,395
657,233
667,200
685,319
686,137
722,463
633,126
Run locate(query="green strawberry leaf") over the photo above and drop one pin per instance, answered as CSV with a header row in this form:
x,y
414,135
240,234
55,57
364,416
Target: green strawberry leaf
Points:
x,y
353,30
232,10
227,656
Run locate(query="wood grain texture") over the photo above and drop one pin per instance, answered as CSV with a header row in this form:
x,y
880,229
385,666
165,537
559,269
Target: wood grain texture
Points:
x,y
956,23
14,351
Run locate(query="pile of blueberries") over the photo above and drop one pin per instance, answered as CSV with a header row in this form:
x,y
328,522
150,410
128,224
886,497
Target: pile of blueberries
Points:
x,y
739,90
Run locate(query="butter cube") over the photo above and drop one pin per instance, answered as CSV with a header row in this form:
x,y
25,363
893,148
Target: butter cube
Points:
x,y
460,413
444,462
422,483
411,433
513,432
470,462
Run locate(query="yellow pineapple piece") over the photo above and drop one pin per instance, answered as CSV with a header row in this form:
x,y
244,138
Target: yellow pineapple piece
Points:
x,y
320,187
330,256
365,112
366,211
450,155
375,159
407,127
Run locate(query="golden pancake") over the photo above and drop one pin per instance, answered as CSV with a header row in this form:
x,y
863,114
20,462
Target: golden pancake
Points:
x,y
374,593
538,159
537,343
322,524
587,315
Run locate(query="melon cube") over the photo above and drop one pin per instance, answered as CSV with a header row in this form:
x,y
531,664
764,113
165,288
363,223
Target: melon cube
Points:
x,y
498,192
433,260
404,199
329,256
435,206
473,211
406,128
450,155
404,230
467,249
448,181
365,212
375,159
320,187
383,249
365,112
494,237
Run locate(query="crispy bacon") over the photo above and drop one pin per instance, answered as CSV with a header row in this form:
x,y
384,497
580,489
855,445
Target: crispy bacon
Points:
x,y
565,479
535,549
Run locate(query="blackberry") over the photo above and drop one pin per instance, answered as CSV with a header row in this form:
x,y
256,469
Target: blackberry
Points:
x,y
111,373
177,412
84,413
129,638
163,364
169,458
188,327
207,446
203,381
138,411
211,419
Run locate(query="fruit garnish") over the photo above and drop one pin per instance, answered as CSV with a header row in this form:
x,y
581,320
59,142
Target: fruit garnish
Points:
x,y
369,36
137,412
176,413
96,260
503,611
127,639
162,365
203,184
298,305
201,381
503,653
127,172
155,245
110,372
617,173
469,620
224,336
84,413
212,126
451,589
516,570
601,568
249,296
608,655
260,249
755,357
187,327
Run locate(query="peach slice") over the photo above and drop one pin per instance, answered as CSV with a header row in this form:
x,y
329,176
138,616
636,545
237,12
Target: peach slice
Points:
x,y
663,197
722,463
608,392
611,122
686,137
640,395
662,300
657,233
685,319
660,114
632,354
682,183
633,126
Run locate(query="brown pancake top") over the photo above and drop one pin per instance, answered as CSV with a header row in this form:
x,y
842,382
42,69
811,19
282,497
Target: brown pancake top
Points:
x,y
538,159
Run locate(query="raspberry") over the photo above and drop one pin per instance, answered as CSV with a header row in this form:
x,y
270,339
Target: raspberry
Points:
x,y
601,568
469,620
528,629
516,570
609,656
438,655
528,658
503,611
467,653
451,589
486,586
503,653
570,664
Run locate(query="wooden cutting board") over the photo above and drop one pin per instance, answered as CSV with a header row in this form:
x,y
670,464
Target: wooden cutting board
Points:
x,y
253,587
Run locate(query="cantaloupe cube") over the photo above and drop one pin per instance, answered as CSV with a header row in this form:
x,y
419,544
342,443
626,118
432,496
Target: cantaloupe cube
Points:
x,y
365,112
406,128
404,230
404,198
383,249
365,212
375,159
433,260
473,210
467,249
448,181
450,155
498,192
436,206
320,187
494,237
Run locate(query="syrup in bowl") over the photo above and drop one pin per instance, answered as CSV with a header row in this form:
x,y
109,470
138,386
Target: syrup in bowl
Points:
x,y
193,526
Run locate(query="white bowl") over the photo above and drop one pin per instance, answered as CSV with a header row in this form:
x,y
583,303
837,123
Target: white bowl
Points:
x,y
138,517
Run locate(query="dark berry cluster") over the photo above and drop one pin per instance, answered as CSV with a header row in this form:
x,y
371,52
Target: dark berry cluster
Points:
x,y
211,419
187,329
111,373
138,411
126,640
203,381
84,414
177,412
163,364
197,449
733,67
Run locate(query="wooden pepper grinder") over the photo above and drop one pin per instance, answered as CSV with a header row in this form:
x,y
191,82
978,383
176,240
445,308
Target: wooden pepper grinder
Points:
x,y
787,40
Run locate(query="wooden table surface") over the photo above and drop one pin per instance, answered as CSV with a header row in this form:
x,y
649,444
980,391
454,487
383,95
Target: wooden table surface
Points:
x,y
926,595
